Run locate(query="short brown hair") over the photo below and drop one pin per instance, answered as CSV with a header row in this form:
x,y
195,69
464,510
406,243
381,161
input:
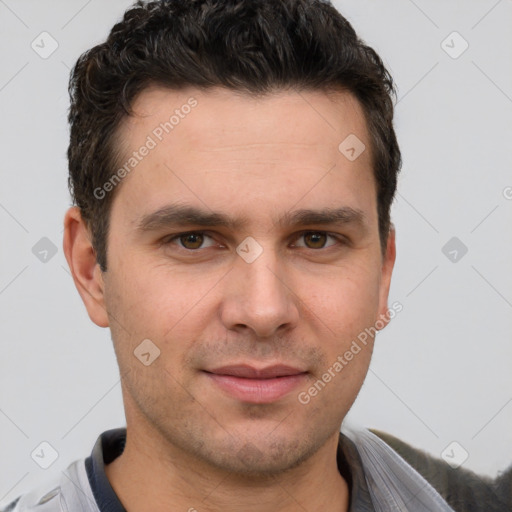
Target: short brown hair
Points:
x,y
253,46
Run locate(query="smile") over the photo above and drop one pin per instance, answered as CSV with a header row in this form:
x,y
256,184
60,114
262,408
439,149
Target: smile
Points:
x,y
250,385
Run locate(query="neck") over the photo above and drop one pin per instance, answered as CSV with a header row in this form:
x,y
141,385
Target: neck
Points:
x,y
147,477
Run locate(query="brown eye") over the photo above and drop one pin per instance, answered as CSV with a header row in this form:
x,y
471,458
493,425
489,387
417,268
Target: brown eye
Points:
x,y
315,240
318,240
191,240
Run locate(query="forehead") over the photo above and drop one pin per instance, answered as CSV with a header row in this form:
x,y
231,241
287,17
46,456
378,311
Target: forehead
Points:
x,y
306,117
224,148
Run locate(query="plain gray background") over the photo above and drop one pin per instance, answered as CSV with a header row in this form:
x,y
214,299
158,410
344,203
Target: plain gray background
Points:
x,y
441,372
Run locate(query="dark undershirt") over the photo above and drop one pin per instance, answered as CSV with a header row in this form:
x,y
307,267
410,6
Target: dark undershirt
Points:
x,y
110,444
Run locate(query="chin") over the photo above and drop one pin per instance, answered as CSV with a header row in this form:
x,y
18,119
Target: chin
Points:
x,y
261,460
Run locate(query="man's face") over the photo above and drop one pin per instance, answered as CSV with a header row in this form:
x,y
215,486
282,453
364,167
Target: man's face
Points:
x,y
206,306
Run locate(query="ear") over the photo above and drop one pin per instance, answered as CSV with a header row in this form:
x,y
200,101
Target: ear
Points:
x,y
85,270
388,263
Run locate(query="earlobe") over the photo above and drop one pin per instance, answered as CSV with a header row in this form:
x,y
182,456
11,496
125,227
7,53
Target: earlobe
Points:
x,y
387,270
84,268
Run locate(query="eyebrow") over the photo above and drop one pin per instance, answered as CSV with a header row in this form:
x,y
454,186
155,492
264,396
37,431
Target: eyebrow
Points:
x,y
182,215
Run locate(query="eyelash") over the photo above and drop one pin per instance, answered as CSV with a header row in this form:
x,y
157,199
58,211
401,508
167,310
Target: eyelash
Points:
x,y
169,239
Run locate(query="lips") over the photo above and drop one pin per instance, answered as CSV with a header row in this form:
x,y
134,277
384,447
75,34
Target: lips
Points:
x,y
249,372
257,385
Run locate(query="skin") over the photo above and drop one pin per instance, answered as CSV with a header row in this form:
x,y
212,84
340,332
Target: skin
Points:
x,y
302,302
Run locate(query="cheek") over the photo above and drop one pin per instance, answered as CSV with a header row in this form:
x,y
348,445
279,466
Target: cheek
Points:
x,y
159,303
342,314
345,301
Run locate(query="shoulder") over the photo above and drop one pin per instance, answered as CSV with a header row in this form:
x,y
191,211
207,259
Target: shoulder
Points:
x,y
43,499
69,492
463,490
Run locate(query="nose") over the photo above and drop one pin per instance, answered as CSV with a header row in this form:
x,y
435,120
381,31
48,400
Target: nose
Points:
x,y
258,297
